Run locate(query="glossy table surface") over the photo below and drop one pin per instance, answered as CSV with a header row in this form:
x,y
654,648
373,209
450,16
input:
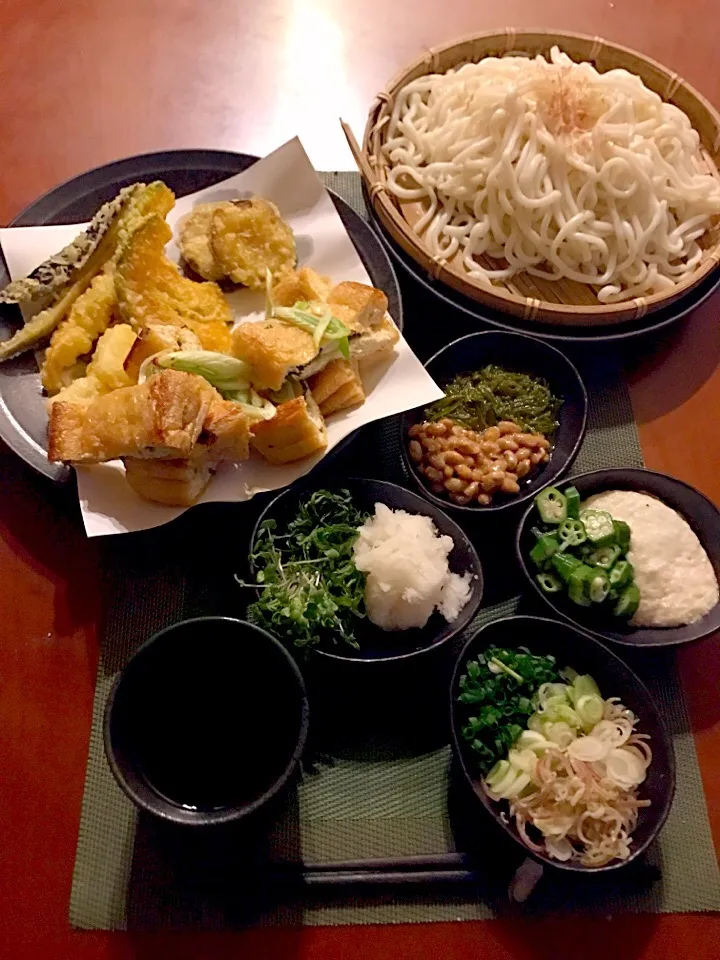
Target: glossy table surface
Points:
x,y
90,81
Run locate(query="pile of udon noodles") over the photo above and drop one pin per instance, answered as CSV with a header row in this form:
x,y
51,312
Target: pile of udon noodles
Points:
x,y
552,169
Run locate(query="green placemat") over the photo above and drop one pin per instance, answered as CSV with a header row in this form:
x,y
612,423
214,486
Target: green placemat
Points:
x,y
381,799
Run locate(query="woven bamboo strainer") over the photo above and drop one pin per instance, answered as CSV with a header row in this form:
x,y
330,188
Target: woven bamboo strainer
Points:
x,y
560,301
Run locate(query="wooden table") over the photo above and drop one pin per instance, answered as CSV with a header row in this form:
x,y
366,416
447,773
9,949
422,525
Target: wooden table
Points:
x,y
86,82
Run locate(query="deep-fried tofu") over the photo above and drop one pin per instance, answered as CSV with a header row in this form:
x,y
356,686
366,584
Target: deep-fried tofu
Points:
x,y
357,305
175,483
337,387
273,349
161,418
301,285
296,431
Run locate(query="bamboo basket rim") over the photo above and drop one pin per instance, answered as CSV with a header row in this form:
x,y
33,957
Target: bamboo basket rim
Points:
x,y
532,41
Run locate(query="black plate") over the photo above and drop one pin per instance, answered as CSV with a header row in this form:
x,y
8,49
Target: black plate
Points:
x,y
23,418
376,645
702,515
573,648
525,355
473,313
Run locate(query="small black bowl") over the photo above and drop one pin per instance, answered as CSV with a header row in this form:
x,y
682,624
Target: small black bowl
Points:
x,y
378,646
525,355
572,648
702,515
206,722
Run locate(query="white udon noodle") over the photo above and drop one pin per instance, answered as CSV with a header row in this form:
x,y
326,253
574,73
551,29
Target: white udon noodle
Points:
x,y
555,169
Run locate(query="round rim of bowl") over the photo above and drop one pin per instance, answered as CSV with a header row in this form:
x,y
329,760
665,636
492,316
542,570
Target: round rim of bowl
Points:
x,y
637,681
473,603
522,497
599,635
229,814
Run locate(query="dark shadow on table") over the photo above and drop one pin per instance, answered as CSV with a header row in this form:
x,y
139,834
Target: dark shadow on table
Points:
x,y
688,354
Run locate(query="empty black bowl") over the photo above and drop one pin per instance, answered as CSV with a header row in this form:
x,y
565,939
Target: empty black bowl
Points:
x,y
521,354
378,646
206,722
572,648
702,515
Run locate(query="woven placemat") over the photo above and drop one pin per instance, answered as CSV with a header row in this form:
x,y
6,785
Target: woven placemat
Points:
x,y
372,792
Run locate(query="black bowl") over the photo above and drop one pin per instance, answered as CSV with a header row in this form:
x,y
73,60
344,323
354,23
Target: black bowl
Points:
x,y
702,515
572,648
206,722
525,355
376,645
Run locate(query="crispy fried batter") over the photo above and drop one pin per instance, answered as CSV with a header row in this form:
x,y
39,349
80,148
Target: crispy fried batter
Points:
x,y
161,419
337,387
303,284
249,237
155,338
357,305
194,241
106,370
64,278
151,289
296,431
176,483
89,316
273,349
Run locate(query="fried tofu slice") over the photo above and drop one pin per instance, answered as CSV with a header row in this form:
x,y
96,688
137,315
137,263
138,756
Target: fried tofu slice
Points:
x,y
151,290
89,317
226,432
161,418
175,483
296,431
337,387
248,238
273,349
375,343
300,285
357,305
194,241
180,482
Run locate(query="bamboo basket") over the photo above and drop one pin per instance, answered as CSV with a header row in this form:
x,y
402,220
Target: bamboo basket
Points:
x,y
550,301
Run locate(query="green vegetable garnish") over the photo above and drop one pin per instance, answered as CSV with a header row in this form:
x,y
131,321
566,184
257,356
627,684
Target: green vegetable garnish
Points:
x,y
485,397
227,374
583,552
500,686
323,328
551,505
311,589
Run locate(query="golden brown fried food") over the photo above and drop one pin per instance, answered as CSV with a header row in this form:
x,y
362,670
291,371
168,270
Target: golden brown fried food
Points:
x,y
151,289
105,372
59,282
296,431
337,387
155,338
357,305
161,419
194,241
303,284
175,483
90,315
226,432
273,349
248,238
